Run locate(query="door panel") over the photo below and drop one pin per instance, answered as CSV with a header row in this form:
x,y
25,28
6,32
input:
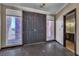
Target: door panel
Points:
x,y
34,27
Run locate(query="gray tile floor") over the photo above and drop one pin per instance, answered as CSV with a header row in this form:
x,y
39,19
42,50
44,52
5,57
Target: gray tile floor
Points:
x,y
43,49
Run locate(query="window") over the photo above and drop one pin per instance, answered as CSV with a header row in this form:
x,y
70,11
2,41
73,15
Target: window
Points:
x,y
13,30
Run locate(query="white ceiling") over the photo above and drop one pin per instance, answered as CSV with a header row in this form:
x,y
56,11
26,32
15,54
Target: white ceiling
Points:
x,y
49,7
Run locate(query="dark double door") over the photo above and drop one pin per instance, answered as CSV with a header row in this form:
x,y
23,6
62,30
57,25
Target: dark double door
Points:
x,y
34,27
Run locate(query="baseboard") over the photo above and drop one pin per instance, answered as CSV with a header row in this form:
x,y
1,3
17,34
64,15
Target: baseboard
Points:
x,y
50,40
59,42
11,46
35,43
76,54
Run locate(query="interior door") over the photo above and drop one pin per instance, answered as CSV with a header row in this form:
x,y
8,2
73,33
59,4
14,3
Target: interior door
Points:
x,y
34,27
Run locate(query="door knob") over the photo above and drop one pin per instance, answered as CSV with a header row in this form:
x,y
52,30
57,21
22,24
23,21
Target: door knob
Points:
x,y
35,30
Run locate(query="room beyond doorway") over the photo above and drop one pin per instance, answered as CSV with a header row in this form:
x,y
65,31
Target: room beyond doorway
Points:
x,y
70,31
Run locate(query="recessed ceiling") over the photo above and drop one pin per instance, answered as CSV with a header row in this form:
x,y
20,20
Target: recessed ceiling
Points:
x,y
49,7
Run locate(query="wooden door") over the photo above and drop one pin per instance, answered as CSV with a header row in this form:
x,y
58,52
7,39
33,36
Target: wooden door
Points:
x,y
34,27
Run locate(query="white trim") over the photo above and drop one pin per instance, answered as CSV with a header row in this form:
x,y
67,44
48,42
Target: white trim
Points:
x,y
36,43
13,12
62,8
28,9
35,10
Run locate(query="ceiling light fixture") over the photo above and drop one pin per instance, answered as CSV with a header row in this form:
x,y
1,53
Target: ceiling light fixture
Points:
x,y
42,5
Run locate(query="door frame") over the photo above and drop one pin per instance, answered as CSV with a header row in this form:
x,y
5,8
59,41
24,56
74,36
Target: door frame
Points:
x,y
6,46
64,22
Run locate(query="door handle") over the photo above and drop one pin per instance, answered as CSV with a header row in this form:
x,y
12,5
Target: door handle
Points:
x,y
35,30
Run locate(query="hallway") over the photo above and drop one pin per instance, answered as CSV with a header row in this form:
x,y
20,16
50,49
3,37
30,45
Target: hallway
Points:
x,y
43,49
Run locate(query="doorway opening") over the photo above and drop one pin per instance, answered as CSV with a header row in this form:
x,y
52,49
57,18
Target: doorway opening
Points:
x,y
70,31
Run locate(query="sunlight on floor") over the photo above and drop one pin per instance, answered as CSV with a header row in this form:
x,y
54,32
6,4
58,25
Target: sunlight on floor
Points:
x,y
70,45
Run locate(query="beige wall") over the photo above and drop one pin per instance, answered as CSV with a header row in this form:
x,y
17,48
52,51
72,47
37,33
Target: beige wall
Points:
x,y
59,16
3,25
